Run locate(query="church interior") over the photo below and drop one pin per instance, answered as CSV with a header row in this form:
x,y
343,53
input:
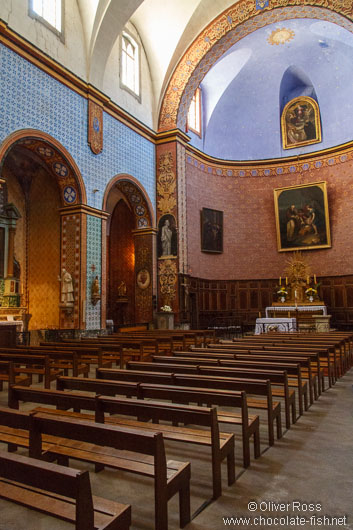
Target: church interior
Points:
x,y
175,194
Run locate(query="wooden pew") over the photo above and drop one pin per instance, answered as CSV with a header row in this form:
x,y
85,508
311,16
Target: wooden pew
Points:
x,y
221,444
327,356
146,456
305,360
256,387
250,424
293,370
315,354
277,377
34,364
59,492
7,374
58,360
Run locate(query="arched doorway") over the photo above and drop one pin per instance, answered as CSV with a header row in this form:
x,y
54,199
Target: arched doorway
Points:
x,y
39,181
130,243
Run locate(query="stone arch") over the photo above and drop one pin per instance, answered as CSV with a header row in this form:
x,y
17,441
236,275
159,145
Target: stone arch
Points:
x,y
50,238
130,251
136,197
228,28
57,159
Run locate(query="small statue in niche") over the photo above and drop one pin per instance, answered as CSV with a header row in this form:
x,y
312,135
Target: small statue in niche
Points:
x,y
67,289
95,291
122,288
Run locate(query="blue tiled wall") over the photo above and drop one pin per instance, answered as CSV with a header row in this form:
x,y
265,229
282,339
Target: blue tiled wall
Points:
x,y
94,245
30,98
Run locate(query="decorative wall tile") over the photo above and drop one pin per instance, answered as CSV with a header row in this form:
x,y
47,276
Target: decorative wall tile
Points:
x,y
33,99
94,250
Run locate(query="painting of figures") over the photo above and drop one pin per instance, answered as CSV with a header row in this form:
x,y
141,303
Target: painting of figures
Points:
x,y
302,219
300,123
211,230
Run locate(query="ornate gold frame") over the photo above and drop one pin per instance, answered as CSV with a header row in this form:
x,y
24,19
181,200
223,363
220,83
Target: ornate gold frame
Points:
x,y
319,229
303,101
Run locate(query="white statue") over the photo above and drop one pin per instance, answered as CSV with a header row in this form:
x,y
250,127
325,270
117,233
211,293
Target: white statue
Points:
x,y
166,238
67,290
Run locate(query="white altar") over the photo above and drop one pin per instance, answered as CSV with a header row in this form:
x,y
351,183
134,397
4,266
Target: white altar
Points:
x,y
296,308
263,325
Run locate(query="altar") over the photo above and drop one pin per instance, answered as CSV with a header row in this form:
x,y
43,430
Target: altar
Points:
x,y
292,310
298,305
264,325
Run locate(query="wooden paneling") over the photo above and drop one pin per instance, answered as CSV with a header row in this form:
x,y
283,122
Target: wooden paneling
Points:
x,y
241,301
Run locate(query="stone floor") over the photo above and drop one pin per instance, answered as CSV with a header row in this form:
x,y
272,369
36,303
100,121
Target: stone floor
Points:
x,y
311,464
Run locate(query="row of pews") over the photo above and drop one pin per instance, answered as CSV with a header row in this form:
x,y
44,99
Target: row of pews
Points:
x,y
184,390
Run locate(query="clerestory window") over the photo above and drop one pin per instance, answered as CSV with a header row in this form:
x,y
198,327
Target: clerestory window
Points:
x,y
194,114
130,64
49,12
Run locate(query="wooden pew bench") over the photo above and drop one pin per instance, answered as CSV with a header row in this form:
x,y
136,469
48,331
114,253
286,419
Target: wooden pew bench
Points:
x,y
276,377
293,370
135,451
221,444
59,492
32,365
249,423
7,374
257,355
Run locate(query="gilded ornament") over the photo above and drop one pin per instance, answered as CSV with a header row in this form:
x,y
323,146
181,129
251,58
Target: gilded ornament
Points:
x,y
166,204
167,279
297,269
281,36
166,178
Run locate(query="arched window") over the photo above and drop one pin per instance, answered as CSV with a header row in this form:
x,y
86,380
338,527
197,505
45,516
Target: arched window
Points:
x,y
129,73
194,114
49,12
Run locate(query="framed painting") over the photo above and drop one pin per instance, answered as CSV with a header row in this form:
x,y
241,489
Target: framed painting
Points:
x,y
302,218
211,230
300,123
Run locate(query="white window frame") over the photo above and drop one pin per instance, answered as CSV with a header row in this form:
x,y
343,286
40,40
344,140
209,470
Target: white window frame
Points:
x,y
194,119
33,14
136,89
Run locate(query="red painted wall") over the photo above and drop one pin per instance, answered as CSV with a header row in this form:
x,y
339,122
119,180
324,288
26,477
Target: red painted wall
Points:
x,y
250,245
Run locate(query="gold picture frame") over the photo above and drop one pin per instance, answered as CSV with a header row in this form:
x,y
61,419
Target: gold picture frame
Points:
x,y
300,123
302,217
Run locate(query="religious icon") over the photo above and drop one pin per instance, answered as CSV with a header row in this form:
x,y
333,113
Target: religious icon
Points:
x,y
300,123
302,220
211,230
143,279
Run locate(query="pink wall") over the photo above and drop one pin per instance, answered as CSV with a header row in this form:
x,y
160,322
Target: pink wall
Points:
x,y
250,245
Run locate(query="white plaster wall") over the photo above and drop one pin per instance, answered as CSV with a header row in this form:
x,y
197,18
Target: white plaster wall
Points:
x,y
143,108
71,53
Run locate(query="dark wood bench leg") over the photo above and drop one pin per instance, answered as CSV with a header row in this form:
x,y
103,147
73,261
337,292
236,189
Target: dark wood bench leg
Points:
x,y
184,504
231,466
294,410
257,447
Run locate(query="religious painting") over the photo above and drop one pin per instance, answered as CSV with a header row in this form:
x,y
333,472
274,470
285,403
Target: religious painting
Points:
x,y
167,242
300,123
302,219
211,230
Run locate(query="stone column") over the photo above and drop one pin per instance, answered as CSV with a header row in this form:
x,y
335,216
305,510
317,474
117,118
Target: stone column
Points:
x,y
171,206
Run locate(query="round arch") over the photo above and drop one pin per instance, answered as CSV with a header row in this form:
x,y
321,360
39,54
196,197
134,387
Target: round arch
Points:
x,y
58,160
130,251
136,196
228,28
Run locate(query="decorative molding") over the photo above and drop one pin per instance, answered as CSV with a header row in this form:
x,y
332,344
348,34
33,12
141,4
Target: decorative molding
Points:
x,y
167,273
270,168
228,28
